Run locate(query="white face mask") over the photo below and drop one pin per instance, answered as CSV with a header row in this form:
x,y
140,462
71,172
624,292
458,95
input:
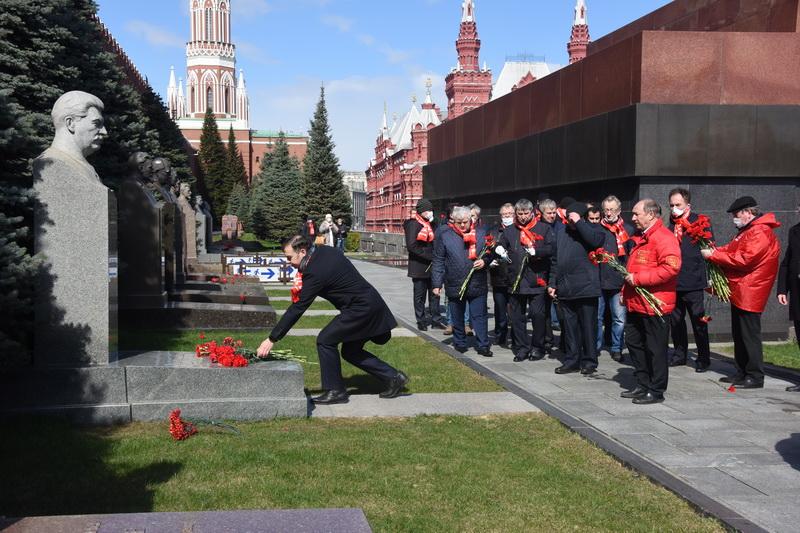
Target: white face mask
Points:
x,y
430,217
738,222
678,212
507,221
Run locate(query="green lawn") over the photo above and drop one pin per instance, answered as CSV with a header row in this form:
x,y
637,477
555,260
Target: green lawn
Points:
x,y
431,370
479,474
785,355
319,305
279,291
251,243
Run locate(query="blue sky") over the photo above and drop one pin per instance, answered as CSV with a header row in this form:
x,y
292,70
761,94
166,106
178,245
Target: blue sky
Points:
x,y
365,52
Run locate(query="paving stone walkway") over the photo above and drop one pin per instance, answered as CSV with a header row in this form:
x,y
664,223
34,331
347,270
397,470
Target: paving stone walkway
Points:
x,y
740,449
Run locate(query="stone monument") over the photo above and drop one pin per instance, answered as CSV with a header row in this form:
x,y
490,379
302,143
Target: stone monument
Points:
x,y
162,185
75,232
204,225
189,222
230,227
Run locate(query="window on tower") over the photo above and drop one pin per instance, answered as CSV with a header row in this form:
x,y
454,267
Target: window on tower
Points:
x,y
210,98
209,24
227,100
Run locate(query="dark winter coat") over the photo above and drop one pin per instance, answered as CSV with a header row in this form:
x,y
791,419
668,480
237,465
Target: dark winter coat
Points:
x,y
572,273
789,273
538,266
500,275
693,267
420,254
363,313
451,264
610,279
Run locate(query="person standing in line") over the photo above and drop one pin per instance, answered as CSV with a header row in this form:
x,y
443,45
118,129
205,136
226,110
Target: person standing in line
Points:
x,y
654,263
308,228
548,210
789,283
419,235
750,262
328,230
445,222
341,235
501,278
575,282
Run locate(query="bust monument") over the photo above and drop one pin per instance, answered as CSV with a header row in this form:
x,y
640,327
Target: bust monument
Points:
x,y
75,232
189,222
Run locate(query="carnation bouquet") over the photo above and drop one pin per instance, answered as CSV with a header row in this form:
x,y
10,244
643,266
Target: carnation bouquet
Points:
x,y
601,256
232,353
536,237
700,232
182,428
488,245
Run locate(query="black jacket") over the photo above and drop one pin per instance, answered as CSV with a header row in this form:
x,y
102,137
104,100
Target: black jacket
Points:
x,y
610,279
364,314
500,275
692,276
789,273
420,254
451,264
303,230
572,273
538,266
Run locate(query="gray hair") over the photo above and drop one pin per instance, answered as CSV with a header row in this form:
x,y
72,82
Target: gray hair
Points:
x,y
475,207
461,213
547,203
523,204
755,210
651,207
508,205
74,104
611,198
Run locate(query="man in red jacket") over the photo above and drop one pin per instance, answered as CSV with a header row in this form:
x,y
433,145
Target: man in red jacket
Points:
x,y
653,264
750,262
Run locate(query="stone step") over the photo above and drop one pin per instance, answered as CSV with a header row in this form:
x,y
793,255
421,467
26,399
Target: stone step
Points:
x,y
218,297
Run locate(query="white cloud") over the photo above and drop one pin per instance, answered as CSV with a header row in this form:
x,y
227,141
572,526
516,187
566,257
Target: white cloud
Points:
x,y
154,35
366,39
343,24
394,55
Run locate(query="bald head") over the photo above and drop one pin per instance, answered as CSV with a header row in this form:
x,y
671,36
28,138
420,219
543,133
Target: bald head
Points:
x,y
645,213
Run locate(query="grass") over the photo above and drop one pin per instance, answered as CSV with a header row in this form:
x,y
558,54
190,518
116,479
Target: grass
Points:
x,y
785,355
278,291
319,305
251,243
431,370
435,473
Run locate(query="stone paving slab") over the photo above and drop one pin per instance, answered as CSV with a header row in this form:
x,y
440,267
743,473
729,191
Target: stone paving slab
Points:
x,y
717,445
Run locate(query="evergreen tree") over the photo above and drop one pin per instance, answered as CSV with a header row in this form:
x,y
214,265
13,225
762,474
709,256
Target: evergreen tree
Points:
x,y
239,204
236,171
277,202
214,163
323,189
172,144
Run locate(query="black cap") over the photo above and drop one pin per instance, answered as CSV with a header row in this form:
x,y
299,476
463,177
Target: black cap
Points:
x,y
577,207
566,202
741,203
424,205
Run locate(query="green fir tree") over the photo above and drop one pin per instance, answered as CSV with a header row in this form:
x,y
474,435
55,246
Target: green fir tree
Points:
x,y
236,171
213,160
239,204
323,189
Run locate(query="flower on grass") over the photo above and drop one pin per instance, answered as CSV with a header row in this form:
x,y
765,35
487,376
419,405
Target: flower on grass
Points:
x,y
202,336
179,429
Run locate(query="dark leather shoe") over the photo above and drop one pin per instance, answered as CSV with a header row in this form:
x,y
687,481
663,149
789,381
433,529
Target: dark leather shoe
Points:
x,y
567,369
795,388
331,396
701,367
461,349
648,398
396,385
588,371
750,383
677,362
736,379
616,356
438,325
635,393
536,355
521,356
422,327
486,352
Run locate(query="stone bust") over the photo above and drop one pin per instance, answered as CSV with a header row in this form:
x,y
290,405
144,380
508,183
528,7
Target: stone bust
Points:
x,y
185,191
198,203
141,166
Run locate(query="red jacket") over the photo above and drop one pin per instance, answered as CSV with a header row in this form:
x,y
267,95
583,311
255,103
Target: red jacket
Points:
x,y
655,262
750,262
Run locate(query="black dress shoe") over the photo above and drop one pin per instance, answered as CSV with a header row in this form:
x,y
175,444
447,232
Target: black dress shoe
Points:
x,y
648,398
750,383
701,367
438,325
677,362
738,378
795,388
563,369
635,393
422,327
535,355
616,356
461,349
548,348
486,352
521,356
331,396
588,371
396,385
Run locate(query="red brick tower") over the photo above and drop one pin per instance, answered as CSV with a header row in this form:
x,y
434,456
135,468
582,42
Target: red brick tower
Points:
x,y
467,86
579,40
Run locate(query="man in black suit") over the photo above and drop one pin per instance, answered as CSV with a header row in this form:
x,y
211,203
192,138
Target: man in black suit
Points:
x,y
364,316
692,282
789,282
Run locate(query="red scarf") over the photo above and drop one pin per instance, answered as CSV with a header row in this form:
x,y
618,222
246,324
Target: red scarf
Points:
x,y
426,233
618,229
680,223
562,214
297,287
526,235
311,231
469,239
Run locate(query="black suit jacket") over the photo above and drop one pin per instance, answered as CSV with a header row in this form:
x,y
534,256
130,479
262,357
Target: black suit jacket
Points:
x,y
538,266
364,315
692,276
420,254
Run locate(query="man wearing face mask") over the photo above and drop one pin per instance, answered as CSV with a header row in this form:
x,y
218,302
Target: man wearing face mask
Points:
x,y
692,282
419,234
750,262
501,278
531,239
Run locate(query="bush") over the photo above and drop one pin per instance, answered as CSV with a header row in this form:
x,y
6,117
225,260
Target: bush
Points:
x,y
353,242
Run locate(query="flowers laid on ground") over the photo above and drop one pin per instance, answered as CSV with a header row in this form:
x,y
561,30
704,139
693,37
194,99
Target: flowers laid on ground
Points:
x,y
232,353
536,237
489,244
183,428
700,232
601,256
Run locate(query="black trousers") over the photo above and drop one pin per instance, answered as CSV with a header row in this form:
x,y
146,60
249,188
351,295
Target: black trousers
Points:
x,y
548,321
524,306
500,296
647,338
691,302
354,353
579,330
423,289
747,349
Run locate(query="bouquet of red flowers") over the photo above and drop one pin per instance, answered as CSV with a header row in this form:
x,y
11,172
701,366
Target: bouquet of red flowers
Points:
x,y
602,256
700,233
536,237
183,428
232,353
488,245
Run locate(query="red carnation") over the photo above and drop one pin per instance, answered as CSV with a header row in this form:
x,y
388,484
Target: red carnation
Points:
x,y
540,282
705,319
179,429
489,241
202,336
